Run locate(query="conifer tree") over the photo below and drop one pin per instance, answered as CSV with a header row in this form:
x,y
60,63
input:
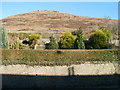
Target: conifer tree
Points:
x,y
79,44
3,38
53,43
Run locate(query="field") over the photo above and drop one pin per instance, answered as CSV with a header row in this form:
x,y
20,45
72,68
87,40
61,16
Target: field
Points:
x,y
57,57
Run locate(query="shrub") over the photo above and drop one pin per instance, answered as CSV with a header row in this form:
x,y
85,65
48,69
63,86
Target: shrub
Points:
x,y
34,38
67,41
98,40
16,45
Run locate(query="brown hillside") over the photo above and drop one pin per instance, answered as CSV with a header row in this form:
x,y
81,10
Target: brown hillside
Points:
x,y
53,21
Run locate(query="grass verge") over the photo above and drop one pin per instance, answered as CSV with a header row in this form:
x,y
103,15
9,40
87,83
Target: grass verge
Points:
x,y
57,57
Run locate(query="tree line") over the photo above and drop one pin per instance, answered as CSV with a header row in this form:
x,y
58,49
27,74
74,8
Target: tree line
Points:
x,y
77,40
69,40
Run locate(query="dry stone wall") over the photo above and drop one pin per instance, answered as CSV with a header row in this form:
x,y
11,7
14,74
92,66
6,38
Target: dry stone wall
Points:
x,y
80,69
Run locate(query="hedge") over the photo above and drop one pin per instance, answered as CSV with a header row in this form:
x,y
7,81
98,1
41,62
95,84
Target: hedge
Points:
x,y
57,57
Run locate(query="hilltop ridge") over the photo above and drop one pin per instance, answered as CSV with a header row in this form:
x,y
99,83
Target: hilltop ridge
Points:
x,y
47,21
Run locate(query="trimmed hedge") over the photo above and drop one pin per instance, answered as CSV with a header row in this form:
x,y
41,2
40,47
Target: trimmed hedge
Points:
x,y
57,57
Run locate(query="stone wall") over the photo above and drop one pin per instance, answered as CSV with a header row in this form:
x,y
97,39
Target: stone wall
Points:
x,y
81,69
86,75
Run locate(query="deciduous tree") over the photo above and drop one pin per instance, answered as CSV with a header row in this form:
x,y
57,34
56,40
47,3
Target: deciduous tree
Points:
x,y
34,39
98,40
67,40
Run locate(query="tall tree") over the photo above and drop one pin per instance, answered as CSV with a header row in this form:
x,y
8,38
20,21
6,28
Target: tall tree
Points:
x,y
53,43
79,44
3,38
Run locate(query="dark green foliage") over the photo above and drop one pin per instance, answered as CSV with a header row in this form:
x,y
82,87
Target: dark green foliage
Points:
x,y
79,44
77,32
67,41
53,43
87,44
47,46
3,38
98,40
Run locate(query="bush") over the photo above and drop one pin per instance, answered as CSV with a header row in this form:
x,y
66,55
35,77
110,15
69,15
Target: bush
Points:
x,y
98,40
16,45
67,41
34,38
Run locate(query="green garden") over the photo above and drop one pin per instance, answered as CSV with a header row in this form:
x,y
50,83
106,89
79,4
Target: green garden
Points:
x,y
72,48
